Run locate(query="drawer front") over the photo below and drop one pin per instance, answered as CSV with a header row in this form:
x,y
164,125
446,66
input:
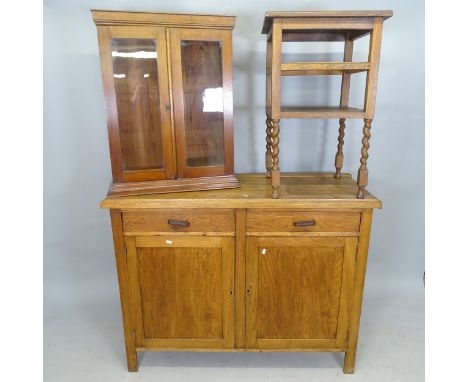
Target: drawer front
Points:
x,y
179,220
302,221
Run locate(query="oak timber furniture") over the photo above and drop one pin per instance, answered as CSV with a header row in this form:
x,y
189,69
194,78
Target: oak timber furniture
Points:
x,y
168,87
235,270
346,26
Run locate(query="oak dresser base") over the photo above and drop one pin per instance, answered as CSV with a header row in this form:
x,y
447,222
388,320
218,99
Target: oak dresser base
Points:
x,y
237,271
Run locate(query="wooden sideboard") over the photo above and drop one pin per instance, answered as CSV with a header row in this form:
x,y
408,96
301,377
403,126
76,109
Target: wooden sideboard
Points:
x,y
235,270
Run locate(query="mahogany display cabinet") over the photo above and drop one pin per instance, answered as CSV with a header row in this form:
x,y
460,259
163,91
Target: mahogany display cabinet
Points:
x,y
168,86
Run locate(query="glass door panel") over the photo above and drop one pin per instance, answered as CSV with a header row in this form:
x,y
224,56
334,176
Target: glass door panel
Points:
x,y
134,64
203,101
141,132
202,78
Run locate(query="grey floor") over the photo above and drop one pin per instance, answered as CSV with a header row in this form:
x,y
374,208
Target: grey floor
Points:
x,y
84,342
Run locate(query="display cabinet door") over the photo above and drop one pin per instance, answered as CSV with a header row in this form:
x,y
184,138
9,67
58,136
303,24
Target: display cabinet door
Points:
x,y
201,62
135,76
182,292
299,291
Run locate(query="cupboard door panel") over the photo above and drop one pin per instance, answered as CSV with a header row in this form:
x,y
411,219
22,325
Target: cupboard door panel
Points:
x,y
298,291
193,309
310,303
202,79
134,64
183,290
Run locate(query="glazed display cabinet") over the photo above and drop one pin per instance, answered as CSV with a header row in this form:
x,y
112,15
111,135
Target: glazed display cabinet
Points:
x,y
168,87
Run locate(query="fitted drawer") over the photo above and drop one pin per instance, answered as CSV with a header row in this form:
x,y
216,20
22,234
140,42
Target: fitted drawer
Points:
x,y
302,221
179,220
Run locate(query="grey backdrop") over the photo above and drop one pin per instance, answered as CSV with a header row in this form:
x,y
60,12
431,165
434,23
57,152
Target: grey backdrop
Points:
x,y
79,267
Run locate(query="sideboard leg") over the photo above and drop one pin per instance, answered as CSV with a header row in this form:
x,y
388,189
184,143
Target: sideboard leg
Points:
x,y
358,291
132,359
275,173
339,153
362,173
349,361
122,273
268,163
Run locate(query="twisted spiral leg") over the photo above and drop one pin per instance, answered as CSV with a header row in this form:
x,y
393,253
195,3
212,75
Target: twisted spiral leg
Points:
x,y
362,173
268,163
339,153
275,174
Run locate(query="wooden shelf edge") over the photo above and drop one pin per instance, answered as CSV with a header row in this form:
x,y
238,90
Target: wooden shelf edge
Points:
x,y
176,185
281,203
322,68
322,112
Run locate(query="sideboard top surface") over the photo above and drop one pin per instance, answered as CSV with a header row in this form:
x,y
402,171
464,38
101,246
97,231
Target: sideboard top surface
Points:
x,y
305,190
269,16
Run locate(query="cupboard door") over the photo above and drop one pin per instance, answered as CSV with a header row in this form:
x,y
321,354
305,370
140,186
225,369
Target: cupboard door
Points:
x,y
181,291
299,291
201,62
135,77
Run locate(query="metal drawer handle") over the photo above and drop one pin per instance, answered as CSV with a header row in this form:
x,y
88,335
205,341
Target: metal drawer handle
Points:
x,y
179,223
304,223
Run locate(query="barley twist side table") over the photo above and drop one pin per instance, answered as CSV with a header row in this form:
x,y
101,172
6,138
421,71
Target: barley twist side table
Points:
x,y
346,26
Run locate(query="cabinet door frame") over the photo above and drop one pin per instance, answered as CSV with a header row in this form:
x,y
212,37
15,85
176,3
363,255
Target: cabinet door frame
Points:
x,y
105,34
227,246
346,295
225,37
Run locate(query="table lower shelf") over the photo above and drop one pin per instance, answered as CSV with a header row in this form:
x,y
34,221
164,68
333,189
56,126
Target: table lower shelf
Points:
x,y
320,112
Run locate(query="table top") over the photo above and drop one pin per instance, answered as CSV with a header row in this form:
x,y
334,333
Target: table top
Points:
x,y
269,16
304,190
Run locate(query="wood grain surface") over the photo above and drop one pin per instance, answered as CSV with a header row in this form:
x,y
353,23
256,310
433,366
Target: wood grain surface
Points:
x,y
284,221
182,290
337,15
305,190
199,220
310,309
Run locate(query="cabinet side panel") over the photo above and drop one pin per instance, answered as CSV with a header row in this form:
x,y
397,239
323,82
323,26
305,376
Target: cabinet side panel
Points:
x,y
111,106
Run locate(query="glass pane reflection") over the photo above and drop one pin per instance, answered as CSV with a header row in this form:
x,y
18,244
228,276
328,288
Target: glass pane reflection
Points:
x,y
204,103
138,106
